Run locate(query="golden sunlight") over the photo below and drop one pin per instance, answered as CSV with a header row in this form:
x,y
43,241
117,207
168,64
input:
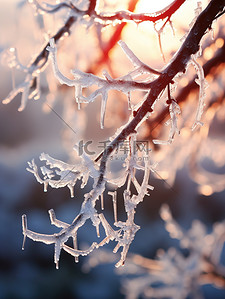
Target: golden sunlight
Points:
x,y
149,6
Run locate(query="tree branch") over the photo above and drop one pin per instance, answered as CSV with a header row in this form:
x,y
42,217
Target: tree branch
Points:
x,y
29,87
120,16
217,60
107,47
125,16
179,61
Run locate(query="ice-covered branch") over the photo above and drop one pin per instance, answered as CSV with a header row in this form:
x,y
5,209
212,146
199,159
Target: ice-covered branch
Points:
x,y
108,46
177,275
68,174
208,67
60,174
87,211
127,230
172,274
30,86
125,16
59,239
178,64
141,67
196,239
115,17
82,80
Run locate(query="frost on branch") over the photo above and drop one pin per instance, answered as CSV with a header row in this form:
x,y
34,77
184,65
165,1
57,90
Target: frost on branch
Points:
x,y
172,274
60,174
87,210
127,230
123,233
196,238
30,86
60,238
83,80
140,67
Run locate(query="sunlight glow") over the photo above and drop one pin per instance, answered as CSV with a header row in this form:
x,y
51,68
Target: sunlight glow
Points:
x,y
149,6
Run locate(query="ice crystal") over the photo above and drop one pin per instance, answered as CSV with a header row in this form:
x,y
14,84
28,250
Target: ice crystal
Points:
x,y
202,87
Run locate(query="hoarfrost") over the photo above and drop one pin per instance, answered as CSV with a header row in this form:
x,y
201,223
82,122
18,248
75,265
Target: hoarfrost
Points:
x,y
178,275
82,80
63,174
30,86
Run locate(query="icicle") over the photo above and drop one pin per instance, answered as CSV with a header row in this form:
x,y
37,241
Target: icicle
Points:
x,y
76,258
132,57
128,183
57,254
116,248
102,201
174,110
114,200
123,257
97,230
24,227
115,206
78,94
202,87
71,187
107,75
45,186
38,88
129,100
103,108
24,98
159,32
